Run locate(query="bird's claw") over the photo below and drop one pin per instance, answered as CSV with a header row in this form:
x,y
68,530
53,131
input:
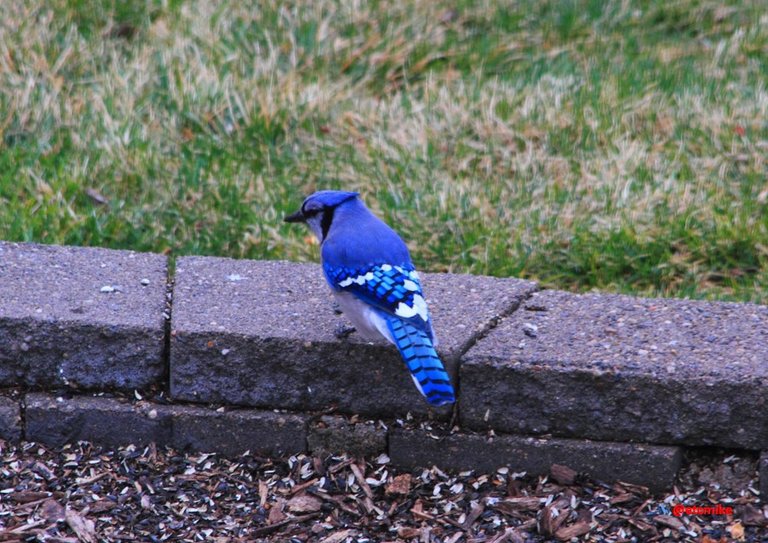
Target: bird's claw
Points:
x,y
343,331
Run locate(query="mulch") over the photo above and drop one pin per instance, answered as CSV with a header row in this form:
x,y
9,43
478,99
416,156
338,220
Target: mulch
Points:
x,y
84,493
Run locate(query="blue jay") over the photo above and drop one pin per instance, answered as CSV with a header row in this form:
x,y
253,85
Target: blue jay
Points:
x,y
370,273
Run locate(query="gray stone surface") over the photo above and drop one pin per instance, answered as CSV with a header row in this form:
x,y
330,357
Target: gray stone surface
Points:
x,y
235,432
10,419
105,421
763,475
114,422
336,435
80,317
262,334
619,368
654,466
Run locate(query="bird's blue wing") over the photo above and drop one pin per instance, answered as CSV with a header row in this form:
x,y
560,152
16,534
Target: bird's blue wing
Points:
x,y
393,289
396,293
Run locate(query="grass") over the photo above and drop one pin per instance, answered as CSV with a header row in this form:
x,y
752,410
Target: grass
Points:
x,y
617,145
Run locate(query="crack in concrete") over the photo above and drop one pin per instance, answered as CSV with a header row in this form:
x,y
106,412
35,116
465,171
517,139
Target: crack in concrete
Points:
x,y
487,328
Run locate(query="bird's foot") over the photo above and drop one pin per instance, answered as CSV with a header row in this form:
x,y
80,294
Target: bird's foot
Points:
x,y
343,331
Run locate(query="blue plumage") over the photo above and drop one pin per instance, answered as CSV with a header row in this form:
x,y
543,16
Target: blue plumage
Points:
x,y
369,270
382,286
419,355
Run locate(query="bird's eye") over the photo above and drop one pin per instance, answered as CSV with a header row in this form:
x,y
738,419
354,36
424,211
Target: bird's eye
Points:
x,y
312,212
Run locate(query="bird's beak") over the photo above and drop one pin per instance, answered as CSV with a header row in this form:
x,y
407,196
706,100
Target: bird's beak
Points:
x,y
295,217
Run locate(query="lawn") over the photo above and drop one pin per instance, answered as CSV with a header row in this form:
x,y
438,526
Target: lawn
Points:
x,y
611,145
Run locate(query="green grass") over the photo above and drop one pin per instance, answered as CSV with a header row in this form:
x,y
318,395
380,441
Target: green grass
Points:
x,y
619,146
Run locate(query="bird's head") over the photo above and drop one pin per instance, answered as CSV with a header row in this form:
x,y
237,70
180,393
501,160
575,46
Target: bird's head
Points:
x,y
318,210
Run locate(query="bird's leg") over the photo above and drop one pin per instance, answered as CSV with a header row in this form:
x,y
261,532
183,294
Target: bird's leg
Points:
x,y
343,331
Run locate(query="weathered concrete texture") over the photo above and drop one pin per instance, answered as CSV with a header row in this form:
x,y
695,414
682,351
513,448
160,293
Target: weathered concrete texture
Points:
x,y
618,368
654,466
111,422
80,317
763,475
334,435
235,432
105,421
10,419
262,334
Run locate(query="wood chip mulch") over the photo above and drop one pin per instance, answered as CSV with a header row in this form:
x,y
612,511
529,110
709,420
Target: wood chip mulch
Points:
x,y
83,493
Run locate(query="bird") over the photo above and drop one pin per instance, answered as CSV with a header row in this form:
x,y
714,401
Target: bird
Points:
x,y
369,270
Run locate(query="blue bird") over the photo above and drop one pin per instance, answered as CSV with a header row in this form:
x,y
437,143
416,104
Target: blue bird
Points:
x,y
370,272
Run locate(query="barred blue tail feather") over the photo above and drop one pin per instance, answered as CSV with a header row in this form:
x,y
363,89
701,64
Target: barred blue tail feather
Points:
x,y
419,354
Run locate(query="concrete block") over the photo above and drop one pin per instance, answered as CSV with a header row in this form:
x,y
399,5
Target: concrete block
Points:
x,y
654,466
262,334
81,317
106,421
336,435
618,368
10,419
113,422
234,432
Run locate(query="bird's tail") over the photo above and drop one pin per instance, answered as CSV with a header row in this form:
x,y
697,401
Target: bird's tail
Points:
x,y
419,354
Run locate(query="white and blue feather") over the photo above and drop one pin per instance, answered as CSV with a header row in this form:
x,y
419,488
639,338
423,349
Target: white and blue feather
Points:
x,y
387,301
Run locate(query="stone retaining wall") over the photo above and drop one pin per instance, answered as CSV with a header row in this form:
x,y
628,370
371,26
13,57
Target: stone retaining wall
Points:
x,y
236,355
